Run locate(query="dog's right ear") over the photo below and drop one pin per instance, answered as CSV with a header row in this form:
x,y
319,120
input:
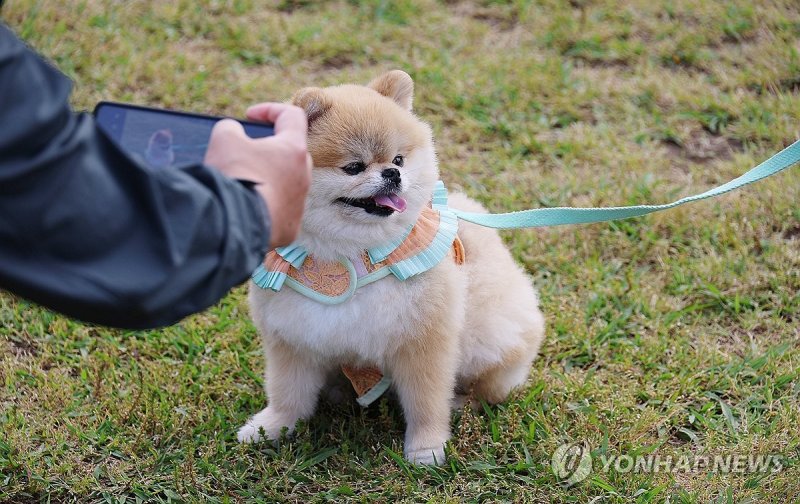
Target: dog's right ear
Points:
x,y
313,101
396,85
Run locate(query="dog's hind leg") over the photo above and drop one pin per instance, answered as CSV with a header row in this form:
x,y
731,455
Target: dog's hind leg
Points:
x,y
496,383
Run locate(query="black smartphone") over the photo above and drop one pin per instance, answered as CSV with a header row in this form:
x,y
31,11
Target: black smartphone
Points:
x,y
163,138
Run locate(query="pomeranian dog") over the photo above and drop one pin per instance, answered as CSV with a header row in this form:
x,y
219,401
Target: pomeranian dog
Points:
x,y
463,326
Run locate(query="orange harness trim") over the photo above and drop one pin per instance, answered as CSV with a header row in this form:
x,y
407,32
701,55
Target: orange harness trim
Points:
x,y
334,279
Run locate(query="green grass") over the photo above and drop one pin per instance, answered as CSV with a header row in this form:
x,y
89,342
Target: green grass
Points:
x,y
673,334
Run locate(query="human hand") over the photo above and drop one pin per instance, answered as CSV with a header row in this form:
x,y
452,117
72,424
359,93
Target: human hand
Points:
x,y
280,165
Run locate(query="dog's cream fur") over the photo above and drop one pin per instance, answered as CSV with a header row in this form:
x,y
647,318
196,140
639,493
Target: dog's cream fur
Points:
x,y
475,326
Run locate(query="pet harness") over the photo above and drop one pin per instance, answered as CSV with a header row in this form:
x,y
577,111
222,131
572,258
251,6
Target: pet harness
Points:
x,y
424,244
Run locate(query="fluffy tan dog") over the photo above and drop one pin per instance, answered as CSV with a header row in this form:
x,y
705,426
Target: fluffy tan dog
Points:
x,y
474,326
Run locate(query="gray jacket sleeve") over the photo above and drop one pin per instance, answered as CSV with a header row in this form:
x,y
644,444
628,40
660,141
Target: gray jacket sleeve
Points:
x,y
89,232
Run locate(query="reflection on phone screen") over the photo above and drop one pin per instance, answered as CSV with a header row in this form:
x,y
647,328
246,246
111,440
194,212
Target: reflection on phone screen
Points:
x,y
160,152
163,140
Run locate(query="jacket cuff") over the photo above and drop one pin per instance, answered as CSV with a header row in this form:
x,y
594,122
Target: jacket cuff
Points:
x,y
262,229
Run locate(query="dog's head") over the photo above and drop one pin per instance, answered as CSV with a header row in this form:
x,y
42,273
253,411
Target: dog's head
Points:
x,y
374,164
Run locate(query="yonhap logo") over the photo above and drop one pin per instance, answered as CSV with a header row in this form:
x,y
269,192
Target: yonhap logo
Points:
x,y
572,462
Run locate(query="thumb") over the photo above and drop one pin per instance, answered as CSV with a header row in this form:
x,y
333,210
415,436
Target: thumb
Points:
x,y
227,128
226,145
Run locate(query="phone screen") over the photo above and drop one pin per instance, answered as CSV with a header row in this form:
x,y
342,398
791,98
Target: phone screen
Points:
x,y
163,138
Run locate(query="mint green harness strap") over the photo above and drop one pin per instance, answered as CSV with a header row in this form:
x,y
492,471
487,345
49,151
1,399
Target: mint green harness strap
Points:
x,y
540,217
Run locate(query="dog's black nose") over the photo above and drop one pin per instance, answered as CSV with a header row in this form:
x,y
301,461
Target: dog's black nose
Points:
x,y
392,175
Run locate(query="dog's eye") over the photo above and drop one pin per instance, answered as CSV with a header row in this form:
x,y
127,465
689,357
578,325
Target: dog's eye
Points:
x,y
354,168
398,160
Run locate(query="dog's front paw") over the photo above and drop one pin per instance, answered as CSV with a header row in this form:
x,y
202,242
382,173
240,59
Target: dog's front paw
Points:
x,y
252,432
426,456
266,424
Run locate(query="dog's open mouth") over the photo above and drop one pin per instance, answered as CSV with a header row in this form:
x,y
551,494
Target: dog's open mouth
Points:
x,y
383,204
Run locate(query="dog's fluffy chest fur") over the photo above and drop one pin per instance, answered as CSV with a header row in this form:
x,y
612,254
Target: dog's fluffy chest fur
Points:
x,y
378,318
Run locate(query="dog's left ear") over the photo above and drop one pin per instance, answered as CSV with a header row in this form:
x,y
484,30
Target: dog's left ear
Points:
x,y
313,101
396,85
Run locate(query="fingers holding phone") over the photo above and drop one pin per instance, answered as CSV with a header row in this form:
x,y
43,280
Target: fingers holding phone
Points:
x,y
280,165
289,121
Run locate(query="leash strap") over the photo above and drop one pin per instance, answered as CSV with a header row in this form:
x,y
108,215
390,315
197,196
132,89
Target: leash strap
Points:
x,y
540,217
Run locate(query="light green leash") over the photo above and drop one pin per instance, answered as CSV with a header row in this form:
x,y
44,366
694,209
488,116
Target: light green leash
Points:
x,y
541,217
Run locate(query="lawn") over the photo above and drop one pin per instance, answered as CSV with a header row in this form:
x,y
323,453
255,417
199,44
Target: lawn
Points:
x,y
676,334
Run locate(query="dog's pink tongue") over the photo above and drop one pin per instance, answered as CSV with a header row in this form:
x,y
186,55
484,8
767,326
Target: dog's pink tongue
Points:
x,y
392,201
